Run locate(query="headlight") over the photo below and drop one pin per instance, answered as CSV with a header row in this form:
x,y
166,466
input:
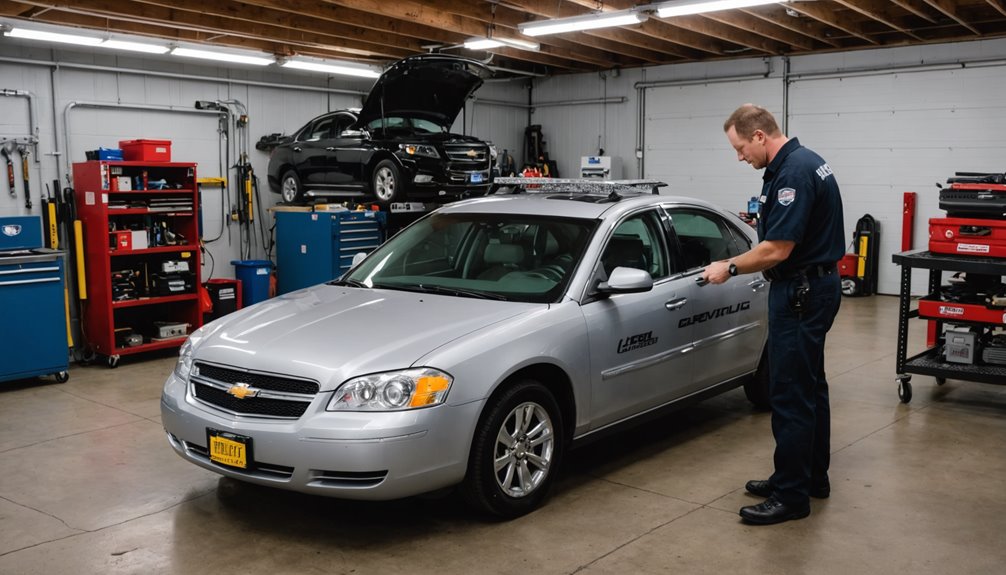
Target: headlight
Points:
x,y
184,366
392,391
419,150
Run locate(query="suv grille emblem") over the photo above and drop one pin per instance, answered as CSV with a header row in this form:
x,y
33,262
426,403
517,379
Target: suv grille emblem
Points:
x,y
243,390
472,153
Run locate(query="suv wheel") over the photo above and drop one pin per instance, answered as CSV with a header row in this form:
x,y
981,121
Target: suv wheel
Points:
x,y
515,452
386,181
290,188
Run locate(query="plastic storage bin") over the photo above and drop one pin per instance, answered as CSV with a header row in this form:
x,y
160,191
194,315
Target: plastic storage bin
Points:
x,y
146,150
254,278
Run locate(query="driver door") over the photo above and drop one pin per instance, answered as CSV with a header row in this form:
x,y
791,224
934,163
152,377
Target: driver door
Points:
x,y
638,355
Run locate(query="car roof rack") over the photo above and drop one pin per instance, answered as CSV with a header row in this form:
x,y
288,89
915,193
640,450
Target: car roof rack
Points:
x,y
576,186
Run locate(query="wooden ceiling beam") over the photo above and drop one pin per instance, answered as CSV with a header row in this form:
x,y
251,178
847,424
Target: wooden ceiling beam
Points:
x,y
765,28
950,9
881,12
826,15
917,7
798,23
999,5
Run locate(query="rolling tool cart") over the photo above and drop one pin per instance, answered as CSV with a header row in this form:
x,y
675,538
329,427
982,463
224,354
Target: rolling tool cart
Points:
x,y
34,340
974,349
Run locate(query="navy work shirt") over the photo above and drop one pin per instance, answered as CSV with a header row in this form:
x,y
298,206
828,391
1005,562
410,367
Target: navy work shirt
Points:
x,y
801,203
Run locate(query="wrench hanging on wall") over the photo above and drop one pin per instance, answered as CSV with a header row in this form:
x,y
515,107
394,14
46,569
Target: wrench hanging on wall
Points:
x,y
5,152
25,151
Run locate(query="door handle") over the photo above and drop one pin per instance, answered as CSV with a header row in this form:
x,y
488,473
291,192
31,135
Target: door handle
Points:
x,y
297,149
330,149
674,304
756,285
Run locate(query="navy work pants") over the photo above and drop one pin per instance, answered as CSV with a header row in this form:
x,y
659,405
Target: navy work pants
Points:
x,y
798,390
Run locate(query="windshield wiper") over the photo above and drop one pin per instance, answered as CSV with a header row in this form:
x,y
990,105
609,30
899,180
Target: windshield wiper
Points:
x,y
350,283
444,290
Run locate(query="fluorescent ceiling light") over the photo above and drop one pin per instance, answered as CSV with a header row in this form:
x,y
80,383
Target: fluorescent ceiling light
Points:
x,y
490,43
685,7
236,58
332,67
53,37
134,47
586,22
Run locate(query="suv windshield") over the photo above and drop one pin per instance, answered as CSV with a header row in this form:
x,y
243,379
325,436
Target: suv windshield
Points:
x,y
410,125
495,256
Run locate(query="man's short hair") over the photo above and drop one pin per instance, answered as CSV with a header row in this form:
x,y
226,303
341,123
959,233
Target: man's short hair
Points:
x,y
749,118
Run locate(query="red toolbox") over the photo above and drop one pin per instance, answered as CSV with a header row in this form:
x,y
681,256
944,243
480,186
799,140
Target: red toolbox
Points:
x,y
974,200
146,150
967,236
949,311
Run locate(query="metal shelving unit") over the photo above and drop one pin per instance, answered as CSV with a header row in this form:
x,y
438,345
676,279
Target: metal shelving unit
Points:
x,y
929,362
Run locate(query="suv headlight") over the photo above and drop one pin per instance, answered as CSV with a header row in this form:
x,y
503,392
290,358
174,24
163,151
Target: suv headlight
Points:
x,y
419,150
184,366
392,391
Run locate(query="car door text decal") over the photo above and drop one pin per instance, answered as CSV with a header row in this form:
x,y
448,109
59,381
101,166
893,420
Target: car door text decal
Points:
x,y
713,314
636,341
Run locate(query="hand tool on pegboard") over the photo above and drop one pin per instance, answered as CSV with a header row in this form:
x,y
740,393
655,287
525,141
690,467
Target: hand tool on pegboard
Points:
x,y
5,152
25,151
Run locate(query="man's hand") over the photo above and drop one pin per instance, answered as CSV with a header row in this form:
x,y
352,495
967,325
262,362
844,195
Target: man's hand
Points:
x,y
717,272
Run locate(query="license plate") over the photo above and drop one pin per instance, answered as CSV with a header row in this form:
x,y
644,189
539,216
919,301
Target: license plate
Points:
x,y
229,449
476,178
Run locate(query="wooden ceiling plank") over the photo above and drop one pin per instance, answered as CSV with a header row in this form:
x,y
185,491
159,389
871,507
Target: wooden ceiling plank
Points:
x,y
826,14
743,21
147,13
881,12
808,27
999,5
917,7
949,8
708,27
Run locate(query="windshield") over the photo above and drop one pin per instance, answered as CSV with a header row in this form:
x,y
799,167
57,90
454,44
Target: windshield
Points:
x,y
405,125
509,257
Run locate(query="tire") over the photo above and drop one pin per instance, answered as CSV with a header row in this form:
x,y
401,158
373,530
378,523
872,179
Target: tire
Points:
x,y
290,188
386,182
756,387
62,376
528,466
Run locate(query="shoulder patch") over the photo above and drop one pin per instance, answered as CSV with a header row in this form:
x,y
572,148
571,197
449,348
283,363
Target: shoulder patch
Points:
x,y
786,196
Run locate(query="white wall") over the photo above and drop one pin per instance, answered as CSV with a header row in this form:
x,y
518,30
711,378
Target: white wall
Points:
x,y
888,121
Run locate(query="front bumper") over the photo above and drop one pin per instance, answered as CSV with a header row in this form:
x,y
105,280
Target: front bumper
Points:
x,y
352,455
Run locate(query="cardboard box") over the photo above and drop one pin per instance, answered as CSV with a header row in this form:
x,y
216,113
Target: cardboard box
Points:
x,y
139,239
960,346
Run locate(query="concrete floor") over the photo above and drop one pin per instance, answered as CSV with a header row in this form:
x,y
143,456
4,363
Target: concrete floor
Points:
x,y
89,485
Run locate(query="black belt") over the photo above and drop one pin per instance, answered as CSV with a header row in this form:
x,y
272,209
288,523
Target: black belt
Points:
x,y
811,271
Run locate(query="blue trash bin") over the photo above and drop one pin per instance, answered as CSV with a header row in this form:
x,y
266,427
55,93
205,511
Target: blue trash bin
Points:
x,y
254,278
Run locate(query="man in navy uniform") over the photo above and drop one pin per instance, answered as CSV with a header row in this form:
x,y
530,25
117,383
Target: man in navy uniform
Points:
x,y
801,237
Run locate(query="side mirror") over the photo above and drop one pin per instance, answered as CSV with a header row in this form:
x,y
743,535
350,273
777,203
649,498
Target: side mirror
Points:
x,y
626,280
358,257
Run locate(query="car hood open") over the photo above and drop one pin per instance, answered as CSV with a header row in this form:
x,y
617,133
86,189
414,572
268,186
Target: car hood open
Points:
x,y
429,86
330,333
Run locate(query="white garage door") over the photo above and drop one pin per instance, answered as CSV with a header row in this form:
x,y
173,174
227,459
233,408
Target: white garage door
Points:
x,y
685,145
889,134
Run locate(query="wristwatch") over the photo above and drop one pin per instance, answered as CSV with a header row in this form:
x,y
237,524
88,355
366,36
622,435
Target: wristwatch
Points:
x,y
732,269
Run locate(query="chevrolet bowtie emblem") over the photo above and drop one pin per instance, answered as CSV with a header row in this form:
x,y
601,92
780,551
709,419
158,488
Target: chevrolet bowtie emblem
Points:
x,y
472,153
242,390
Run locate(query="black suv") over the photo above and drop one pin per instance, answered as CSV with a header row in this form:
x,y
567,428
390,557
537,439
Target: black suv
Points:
x,y
398,146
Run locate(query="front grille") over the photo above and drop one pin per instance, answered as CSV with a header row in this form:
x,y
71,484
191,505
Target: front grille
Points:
x,y
259,380
468,153
277,396
250,405
355,479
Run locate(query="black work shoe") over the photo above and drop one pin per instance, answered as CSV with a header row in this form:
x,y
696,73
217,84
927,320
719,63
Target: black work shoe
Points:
x,y
762,488
773,511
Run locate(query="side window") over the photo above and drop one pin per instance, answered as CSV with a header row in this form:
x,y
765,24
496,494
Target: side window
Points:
x,y
637,243
704,237
342,123
322,129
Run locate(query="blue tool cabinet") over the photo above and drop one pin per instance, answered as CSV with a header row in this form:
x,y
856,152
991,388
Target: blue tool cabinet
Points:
x,y
316,247
33,341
